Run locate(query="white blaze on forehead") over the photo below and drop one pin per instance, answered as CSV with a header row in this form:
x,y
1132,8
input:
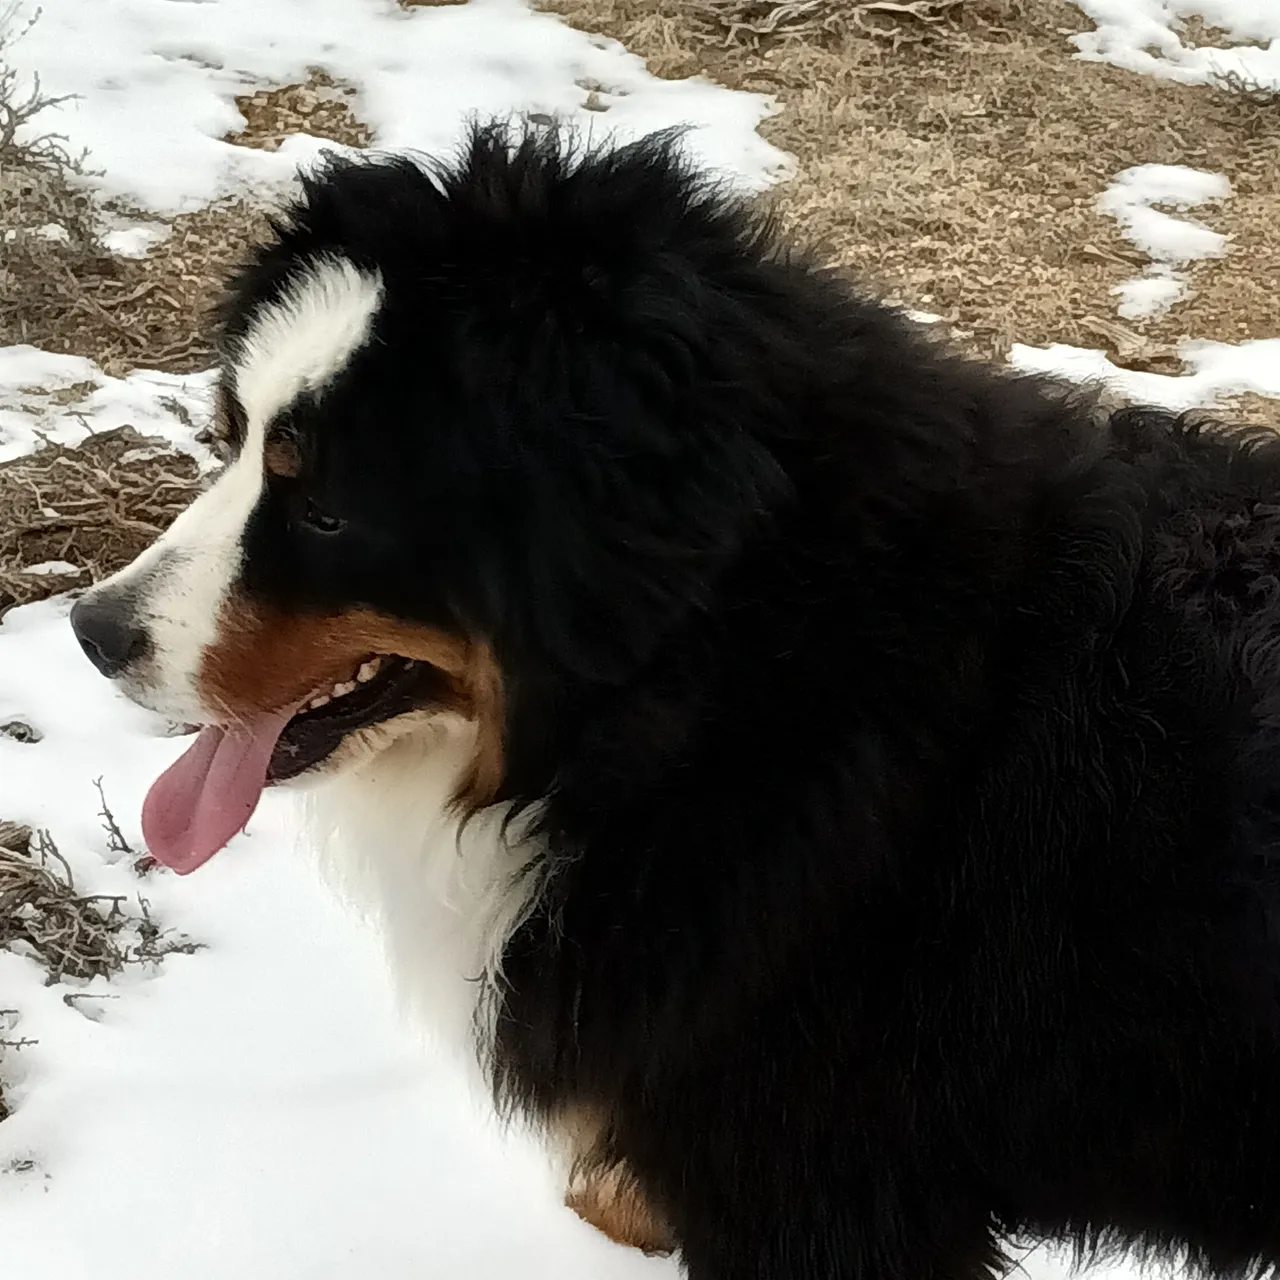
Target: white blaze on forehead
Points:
x,y
181,583
303,340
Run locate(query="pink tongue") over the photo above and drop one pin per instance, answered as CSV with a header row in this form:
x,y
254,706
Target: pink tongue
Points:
x,y
208,794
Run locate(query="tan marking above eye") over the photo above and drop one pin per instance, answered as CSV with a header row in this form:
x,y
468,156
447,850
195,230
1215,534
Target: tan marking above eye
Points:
x,y
281,455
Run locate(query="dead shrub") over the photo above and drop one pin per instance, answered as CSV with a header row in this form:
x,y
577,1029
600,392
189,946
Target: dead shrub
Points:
x,y
95,507
48,224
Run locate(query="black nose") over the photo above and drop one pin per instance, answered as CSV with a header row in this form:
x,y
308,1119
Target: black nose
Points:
x,y
108,632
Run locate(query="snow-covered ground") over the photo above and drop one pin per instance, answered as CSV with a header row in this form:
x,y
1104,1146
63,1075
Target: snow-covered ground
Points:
x,y
1144,36
258,1108
1171,242
45,395
155,83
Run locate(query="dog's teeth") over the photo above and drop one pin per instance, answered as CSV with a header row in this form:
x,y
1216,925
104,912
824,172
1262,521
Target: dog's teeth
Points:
x,y
368,670
316,703
341,690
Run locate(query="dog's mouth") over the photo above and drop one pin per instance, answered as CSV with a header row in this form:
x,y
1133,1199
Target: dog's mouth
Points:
x,y
208,795
380,689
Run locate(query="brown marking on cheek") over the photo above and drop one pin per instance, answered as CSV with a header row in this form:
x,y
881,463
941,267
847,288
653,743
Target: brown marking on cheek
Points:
x,y
483,780
605,1192
281,456
264,659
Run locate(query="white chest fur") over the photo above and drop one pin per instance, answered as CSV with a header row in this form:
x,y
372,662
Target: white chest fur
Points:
x,y
444,899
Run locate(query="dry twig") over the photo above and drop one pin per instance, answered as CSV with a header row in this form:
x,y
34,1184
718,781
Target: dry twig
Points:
x,y
116,842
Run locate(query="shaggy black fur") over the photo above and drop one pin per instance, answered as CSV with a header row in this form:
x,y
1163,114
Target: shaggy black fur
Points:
x,y
906,735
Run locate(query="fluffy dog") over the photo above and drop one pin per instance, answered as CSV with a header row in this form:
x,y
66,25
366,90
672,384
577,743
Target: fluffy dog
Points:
x,y
831,786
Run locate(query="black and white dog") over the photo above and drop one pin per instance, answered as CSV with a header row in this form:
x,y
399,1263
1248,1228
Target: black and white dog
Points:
x,y
834,786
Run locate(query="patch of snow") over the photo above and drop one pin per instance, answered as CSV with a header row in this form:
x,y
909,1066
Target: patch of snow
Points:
x,y
1171,242
1147,36
1130,200
51,567
134,239
1216,370
1150,294
155,86
54,231
36,386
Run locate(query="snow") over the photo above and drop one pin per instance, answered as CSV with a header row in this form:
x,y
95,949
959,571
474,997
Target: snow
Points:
x,y
1130,200
129,238
156,82
1171,242
51,567
1215,370
49,397
1147,36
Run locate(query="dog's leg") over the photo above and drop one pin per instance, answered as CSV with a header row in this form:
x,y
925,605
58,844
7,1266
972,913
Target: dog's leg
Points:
x,y
609,1199
603,1190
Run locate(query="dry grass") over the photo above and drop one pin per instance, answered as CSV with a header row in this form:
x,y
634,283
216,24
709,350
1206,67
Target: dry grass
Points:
x,y
950,153
42,914
149,313
96,507
47,222
75,935
1195,32
958,174
757,24
159,306
154,312
61,290
72,296
322,107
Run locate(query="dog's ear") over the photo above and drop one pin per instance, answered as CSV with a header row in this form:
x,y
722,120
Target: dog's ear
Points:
x,y
620,550
645,314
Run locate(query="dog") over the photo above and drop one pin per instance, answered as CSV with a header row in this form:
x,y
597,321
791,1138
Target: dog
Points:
x,y
829,785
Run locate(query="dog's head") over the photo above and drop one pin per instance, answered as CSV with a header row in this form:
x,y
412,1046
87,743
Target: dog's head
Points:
x,y
487,434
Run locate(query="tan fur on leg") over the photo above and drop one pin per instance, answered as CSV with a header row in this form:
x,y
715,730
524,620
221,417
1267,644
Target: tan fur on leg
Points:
x,y
604,1192
610,1200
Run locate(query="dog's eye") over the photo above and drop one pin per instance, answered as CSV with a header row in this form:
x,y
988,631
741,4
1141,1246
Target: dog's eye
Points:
x,y
320,521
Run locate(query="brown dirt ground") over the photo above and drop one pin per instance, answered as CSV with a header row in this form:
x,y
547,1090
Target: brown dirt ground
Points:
x,y
956,174
959,173
153,312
